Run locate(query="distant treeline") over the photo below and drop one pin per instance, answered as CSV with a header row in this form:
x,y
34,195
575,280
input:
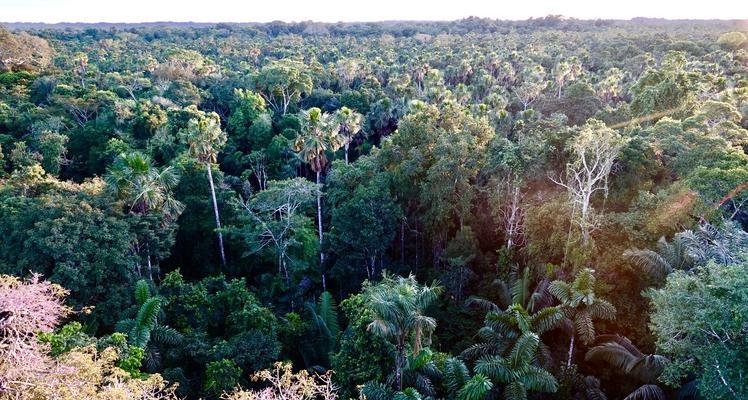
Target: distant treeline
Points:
x,y
395,28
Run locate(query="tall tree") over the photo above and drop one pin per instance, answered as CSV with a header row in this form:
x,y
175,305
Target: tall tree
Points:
x,y
145,189
349,124
319,135
276,220
594,149
206,138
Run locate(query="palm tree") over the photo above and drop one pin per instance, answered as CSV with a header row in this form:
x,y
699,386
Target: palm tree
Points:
x,y
349,124
502,329
144,330
205,138
690,248
518,371
144,189
324,315
581,306
620,353
398,305
460,386
661,262
517,291
723,244
419,372
319,134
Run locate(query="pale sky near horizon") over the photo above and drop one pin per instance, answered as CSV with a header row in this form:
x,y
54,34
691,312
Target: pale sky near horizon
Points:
x,y
52,11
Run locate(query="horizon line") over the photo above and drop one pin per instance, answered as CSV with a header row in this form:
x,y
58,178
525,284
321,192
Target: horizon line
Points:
x,y
369,22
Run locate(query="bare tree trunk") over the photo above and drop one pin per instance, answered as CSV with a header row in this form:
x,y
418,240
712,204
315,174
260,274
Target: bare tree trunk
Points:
x,y
148,257
399,358
319,227
571,350
402,241
215,212
346,153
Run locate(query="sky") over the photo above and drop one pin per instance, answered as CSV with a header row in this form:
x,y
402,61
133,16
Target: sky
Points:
x,y
52,11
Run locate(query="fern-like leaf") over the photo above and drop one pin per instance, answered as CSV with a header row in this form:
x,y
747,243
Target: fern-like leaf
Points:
x,y
142,291
475,389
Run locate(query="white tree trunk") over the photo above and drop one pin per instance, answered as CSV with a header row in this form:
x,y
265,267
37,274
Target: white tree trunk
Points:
x,y
319,228
215,212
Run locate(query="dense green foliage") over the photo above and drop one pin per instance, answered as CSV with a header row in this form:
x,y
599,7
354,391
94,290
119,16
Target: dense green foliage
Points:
x,y
217,198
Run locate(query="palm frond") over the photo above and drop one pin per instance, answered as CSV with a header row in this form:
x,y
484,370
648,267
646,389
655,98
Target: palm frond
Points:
x,y
328,313
539,380
546,319
649,262
484,304
602,309
560,290
613,354
521,288
647,392
455,375
142,291
145,321
515,391
376,391
124,325
475,389
495,367
165,335
524,349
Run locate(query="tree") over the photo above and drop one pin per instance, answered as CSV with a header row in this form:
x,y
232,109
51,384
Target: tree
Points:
x,y
205,138
219,319
70,235
276,219
283,82
361,357
23,51
349,123
31,309
145,190
419,372
621,354
533,82
28,307
581,306
145,330
594,149
460,386
398,305
661,262
324,315
698,320
502,328
691,248
732,40
364,221
287,385
517,371
319,135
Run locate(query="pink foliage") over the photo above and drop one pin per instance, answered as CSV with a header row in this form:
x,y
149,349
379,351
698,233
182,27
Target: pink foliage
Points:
x,y
26,308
